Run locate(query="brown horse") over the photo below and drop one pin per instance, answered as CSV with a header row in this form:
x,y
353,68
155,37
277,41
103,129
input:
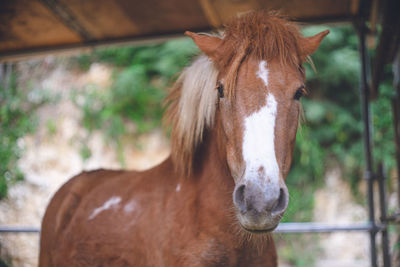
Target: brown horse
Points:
x,y
214,201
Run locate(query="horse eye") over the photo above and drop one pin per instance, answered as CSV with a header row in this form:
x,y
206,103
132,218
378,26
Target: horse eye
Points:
x,y
299,93
220,88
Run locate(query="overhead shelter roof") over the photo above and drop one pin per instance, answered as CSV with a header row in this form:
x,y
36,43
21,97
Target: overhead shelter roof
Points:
x,y
34,27
39,26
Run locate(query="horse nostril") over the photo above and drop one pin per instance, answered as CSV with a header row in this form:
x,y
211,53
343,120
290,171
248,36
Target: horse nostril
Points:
x,y
281,204
248,198
238,198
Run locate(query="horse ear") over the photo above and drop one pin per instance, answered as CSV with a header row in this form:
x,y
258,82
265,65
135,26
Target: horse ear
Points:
x,y
310,44
208,44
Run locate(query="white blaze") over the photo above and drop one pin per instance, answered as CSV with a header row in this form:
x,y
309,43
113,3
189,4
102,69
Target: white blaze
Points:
x,y
263,72
113,201
258,144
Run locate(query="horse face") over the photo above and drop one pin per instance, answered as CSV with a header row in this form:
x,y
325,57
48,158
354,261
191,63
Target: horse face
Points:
x,y
260,124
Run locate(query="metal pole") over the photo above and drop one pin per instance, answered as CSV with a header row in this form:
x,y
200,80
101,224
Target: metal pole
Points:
x,y
5,76
19,229
325,228
304,227
382,204
396,117
396,126
365,110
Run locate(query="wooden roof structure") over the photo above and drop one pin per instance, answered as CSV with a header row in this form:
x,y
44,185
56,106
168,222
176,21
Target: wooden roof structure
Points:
x,y
35,27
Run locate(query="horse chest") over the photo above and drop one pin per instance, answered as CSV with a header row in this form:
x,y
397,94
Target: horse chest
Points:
x,y
207,251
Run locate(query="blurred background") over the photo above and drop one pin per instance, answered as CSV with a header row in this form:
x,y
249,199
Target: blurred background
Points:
x,y
102,108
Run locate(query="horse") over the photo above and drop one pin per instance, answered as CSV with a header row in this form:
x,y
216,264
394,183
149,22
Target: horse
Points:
x,y
233,116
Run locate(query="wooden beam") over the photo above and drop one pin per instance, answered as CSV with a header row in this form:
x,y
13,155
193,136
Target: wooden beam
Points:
x,y
25,54
65,15
210,13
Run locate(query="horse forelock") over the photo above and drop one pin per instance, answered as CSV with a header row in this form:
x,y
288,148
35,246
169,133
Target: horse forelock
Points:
x,y
191,106
263,36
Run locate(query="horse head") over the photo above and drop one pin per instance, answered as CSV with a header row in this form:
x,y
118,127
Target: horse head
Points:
x,y
259,84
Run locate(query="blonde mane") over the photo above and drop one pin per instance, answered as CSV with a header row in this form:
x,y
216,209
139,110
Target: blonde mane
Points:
x,y
191,107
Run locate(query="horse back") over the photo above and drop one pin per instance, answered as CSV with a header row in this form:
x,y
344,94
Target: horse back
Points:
x,y
63,206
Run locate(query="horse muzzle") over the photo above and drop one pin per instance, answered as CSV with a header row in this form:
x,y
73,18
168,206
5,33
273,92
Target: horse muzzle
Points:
x,y
259,208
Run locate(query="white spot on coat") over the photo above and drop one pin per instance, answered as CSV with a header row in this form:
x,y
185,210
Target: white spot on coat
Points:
x,y
113,201
178,188
130,206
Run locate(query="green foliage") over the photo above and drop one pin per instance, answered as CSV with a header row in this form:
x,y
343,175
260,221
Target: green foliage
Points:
x,y
298,249
17,119
382,119
332,127
140,78
51,127
331,133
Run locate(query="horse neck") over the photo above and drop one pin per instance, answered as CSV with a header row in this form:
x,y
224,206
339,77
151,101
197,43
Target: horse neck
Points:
x,y
211,175
210,164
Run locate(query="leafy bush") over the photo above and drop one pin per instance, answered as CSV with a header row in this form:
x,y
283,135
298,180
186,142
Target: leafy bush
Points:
x,y
331,134
17,119
140,77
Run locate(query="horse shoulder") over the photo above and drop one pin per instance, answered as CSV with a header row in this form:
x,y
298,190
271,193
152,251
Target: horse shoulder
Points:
x,y
63,206
73,192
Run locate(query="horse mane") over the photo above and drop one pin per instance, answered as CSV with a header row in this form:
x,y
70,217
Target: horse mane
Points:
x,y
191,106
192,101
